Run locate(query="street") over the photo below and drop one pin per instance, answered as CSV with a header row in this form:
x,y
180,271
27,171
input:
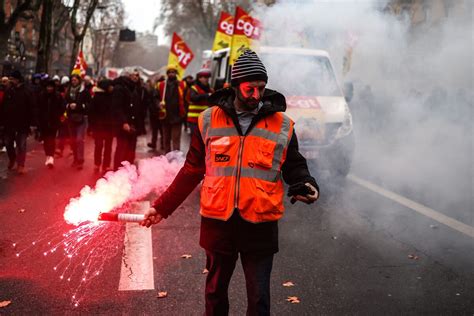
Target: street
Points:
x,y
355,251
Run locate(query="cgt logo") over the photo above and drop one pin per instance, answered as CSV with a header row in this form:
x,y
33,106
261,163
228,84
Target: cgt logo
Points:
x,y
184,56
222,158
248,26
227,26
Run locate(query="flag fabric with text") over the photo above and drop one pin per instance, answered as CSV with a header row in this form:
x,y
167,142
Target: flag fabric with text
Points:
x,y
246,34
180,55
224,32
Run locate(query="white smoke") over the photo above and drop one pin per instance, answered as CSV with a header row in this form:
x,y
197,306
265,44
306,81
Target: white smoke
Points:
x,y
412,103
129,183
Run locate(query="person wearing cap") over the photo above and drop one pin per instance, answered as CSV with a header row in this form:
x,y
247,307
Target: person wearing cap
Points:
x,y
17,116
172,111
189,80
57,82
51,106
199,96
155,121
244,148
77,102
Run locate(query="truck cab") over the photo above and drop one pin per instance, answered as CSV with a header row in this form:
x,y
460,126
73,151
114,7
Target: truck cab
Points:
x,y
315,101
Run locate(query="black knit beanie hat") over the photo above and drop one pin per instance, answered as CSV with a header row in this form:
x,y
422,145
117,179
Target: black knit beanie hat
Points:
x,y
248,67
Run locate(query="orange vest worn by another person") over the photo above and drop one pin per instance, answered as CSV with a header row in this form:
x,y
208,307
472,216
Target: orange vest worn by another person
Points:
x,y
196,108
162,91
244,172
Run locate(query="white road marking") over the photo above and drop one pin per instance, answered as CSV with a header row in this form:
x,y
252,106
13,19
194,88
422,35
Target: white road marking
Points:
x,y
417,207
137,260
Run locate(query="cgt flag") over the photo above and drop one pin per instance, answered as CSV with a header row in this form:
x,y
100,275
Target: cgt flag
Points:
x,y
80,67
224,32
180,55
246,34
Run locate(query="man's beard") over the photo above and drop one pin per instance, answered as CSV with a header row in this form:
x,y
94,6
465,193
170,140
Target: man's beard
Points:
x,y
249,104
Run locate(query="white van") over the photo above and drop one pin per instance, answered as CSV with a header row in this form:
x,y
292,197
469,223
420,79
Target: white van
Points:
x,y
315,101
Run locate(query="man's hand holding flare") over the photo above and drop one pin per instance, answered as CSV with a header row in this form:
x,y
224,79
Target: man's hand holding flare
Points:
x,y
151,217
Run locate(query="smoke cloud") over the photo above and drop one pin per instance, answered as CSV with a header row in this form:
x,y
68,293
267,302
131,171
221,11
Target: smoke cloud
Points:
x,y
129,183
412,105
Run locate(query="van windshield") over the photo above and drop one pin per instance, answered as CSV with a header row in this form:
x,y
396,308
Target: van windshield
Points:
x,y
300,75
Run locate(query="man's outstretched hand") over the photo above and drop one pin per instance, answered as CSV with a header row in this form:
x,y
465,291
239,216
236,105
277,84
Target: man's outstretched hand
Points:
x,y
151,217
310,196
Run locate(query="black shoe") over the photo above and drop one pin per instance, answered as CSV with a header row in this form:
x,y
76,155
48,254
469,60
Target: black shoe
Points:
x,y
11,165
151,145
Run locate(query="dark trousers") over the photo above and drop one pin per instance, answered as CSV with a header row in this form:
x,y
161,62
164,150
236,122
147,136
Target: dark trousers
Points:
x,y
192,127
155,128
49,140
257,270
171,134
63,135
18,154
77,132
103,146
125,150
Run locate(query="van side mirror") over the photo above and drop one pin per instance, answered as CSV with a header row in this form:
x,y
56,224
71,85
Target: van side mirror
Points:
x,y
348,91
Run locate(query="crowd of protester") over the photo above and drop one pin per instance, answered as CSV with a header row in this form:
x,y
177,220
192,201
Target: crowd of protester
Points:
x,y
63,112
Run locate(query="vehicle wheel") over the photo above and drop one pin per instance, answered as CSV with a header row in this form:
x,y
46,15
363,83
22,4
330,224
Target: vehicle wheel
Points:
x,y
341,163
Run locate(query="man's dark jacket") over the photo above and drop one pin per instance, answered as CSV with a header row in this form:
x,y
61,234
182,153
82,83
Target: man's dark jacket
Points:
x,y
51,107
103,118
126,110
235,234
18,112
82,99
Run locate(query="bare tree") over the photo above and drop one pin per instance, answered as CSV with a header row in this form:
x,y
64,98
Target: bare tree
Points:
x,y
61,15
196,21
45,37
81,15
105,31
23,9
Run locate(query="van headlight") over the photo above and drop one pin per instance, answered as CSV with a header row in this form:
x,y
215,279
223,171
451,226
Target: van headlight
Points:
x,y
346,127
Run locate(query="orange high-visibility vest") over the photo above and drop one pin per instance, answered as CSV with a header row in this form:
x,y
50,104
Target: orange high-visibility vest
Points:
x,y
244,172
161,90
196,108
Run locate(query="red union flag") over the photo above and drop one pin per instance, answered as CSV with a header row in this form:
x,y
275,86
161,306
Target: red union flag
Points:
x,y
80,67
246,33
180,54
225,29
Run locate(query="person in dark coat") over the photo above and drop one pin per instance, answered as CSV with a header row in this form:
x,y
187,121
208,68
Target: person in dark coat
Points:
x,y
171,95
141,99
154,112
77,101
242,108
103,124
51,106
4,84
17,116
129,119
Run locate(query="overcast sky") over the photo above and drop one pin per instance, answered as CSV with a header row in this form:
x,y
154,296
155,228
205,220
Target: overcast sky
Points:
x,y
140,15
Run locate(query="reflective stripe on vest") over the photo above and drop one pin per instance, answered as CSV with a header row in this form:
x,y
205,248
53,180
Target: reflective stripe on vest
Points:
x,y
194,110
244,172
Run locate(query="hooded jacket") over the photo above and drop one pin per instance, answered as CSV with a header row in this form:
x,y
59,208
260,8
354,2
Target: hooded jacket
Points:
x,y
214,233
